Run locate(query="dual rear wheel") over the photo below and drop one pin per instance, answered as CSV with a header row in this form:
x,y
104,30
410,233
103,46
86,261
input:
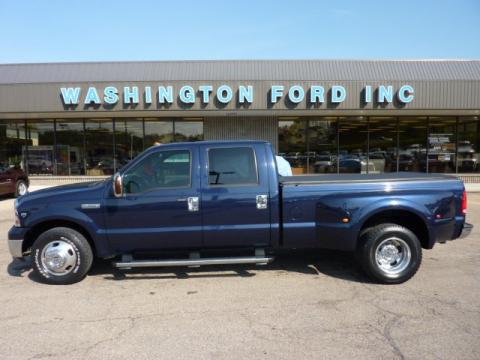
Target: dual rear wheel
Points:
x,y
389,253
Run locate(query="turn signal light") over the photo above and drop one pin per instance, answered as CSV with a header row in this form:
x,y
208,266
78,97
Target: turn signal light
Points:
x,y
17,219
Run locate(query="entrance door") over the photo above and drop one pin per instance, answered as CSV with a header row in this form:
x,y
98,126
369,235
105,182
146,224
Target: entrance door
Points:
x,y
235,196
160,207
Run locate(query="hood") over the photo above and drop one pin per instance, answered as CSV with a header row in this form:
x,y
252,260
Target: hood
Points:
x,y
85,190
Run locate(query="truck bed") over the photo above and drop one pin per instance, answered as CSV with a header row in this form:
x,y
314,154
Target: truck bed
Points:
x,y
363,178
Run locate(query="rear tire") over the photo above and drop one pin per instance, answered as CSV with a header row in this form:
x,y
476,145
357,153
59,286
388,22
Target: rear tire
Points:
x,y
61,256
389,253
21,188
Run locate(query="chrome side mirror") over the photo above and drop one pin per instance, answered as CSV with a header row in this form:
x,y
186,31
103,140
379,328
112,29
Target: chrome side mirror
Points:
x,y
117,185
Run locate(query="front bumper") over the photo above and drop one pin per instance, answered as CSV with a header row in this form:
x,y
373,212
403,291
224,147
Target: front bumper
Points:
x,y
15,247
467,229
16,237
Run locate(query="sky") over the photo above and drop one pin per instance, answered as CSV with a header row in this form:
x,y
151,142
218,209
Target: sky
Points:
x,y
107,30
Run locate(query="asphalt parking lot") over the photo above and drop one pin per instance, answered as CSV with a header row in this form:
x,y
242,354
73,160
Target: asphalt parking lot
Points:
x,y
315,305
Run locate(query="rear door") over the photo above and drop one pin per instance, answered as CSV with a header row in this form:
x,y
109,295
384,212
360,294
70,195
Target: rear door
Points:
x,y
235,196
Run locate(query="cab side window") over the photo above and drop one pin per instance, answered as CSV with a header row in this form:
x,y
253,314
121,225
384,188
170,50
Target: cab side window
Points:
x,y
163,169
232,166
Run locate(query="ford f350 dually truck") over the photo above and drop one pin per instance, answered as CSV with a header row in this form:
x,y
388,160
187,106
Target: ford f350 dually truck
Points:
x,y
177,204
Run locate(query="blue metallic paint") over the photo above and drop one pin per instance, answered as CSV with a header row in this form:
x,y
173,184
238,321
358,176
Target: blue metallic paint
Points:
x,y
229,214
298,216
312,214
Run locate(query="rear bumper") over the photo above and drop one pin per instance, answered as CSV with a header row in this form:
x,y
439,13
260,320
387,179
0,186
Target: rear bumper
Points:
x,y
467,229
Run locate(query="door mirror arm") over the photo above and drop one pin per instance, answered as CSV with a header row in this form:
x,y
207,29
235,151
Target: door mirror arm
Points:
x,y
118,185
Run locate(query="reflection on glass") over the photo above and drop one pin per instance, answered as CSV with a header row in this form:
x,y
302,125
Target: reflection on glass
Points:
x,y
70,153
158,132
292,144
99,147
322,145
441,145
188,131
468,145
353,140
382,154
12,139
309,144
39,153
128,140
412,145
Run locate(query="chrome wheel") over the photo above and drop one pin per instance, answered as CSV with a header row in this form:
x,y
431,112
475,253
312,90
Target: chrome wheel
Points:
x,y
21,189
58,257
392,256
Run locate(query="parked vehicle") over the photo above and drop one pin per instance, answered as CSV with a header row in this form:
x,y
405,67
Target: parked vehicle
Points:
x,y
355,165
379,160
324,163
406,161
226,197
467,158
13,181
467,161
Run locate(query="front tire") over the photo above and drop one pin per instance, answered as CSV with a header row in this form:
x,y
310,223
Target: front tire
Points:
x,y
389,253
21,188
61,256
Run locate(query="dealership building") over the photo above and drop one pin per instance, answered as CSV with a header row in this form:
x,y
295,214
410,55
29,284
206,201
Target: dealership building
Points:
x,y
323,116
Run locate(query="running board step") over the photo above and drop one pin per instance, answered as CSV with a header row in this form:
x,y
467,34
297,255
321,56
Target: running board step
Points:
x,y
131,263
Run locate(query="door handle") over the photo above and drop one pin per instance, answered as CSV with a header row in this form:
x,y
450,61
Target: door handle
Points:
x,y
262,202
193,203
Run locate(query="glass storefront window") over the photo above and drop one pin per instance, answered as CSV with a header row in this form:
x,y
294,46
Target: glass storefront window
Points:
x,y
188,131
12,141
70,147
322,145
99,154
353,145
360,144
468,153
39,154
158,132
292,144
441,144
412,144
128,140
382,154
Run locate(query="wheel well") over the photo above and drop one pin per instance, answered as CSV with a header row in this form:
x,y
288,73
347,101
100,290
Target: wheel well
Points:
x,y
23,178
405,218
33,234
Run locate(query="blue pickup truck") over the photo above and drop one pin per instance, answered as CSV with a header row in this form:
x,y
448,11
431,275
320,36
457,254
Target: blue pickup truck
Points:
x,y
223,202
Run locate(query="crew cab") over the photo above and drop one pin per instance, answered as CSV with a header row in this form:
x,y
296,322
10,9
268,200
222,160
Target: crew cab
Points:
x,y
223,202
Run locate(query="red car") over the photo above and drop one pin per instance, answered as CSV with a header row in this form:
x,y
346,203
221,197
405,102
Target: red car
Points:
x,y
13,181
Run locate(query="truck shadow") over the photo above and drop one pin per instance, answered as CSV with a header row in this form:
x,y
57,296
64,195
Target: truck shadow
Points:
x,y
322,262
335,264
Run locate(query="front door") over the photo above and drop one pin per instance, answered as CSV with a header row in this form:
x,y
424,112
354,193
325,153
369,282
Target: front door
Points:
x,y
160,208
235,196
